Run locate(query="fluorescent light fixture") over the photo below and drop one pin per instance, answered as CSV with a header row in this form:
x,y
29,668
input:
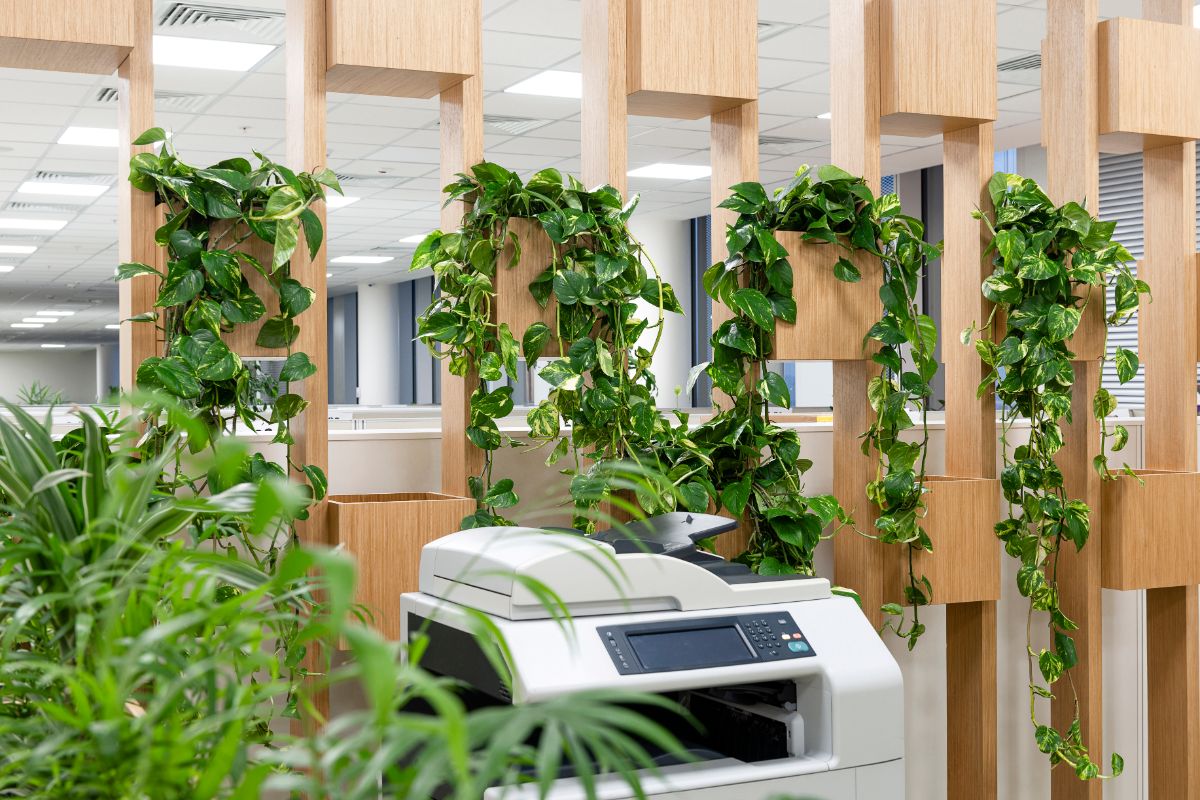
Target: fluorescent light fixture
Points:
x,y
43,320
184,51
551,83
6,267
336,201
362,259
672,172
18,224
826,115
90,137
17,249
62,189
27,325
54,346
416,238
112,327
328,274
54,313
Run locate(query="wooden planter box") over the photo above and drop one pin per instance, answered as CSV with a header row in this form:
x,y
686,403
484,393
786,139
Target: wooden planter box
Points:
x,y
385,534
964,566
92,36
719,71
402,48
1149,537
937,65
832,316
1149,76
514,305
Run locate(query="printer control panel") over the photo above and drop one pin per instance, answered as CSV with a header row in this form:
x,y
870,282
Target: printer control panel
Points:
x,y
706,642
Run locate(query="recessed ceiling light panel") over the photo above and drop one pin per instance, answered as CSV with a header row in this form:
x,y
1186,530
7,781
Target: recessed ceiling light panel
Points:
x,y
90,137
21,224
54,346
62,189
56,313
43,320
672,172
6,267
26,325
335,201
17,249
184,51
551,83
362,259
416,238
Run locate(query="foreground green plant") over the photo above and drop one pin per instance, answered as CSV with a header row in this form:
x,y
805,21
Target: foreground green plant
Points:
x,y
134,665
1051,263
213,217
600,375
39,394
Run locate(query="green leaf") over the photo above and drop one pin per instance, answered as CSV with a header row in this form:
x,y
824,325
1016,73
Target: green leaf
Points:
x,y
287,234
533,343
287,406
775,389
1126,362
694,497
735,496
543,421
845,271
203,315
297,367
754,305
151,136
570,287
131,270
558,373
222,269
181,287
501,495
294,298
277,333
219,363
174,376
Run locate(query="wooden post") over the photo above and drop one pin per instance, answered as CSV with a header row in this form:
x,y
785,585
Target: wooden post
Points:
x,y
305,119
1172,629
136,213
605,107
1070,132
462,147
854,70
970,452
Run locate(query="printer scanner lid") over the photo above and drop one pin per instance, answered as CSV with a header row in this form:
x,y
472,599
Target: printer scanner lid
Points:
x,y
648,566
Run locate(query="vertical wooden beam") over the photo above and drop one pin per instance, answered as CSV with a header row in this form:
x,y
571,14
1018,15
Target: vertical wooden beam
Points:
x,y
137,216
733,153
854,67
462,147
1070,133
1172,624
306,146
970,452
605,108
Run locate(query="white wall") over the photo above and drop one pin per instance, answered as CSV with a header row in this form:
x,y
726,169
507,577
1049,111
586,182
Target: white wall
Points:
x,y
70,371
668,242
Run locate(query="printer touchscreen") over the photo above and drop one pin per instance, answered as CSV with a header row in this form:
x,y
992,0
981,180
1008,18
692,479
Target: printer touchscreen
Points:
x,y
690,649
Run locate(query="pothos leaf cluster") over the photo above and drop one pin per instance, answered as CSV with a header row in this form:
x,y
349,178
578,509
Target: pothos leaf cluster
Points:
x,y
593,358
1052,263
217,218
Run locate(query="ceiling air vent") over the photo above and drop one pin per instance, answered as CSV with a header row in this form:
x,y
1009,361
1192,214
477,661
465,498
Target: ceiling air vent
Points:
x,y
1021,63
783,145
369,181
265,22
769,30
74,177
178,101
513,126
42,208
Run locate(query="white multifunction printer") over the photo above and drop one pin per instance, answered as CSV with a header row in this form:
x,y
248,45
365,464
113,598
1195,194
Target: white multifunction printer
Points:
x,y
794,691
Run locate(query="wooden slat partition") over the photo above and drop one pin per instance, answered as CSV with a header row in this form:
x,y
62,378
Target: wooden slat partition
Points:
x,y
462,146
1070,133
1172,629
970,452
305,119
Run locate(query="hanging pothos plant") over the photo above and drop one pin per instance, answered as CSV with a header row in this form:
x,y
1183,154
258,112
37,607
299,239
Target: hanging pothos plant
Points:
x,y
739,460
906,343
1051,263
211,217
601,382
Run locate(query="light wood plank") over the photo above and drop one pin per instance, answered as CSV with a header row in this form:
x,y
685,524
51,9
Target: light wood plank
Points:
x,y
462,147
414,48
938,65
513,305
832,316
720,71
385,533
854,68
137,217
305,123
1070,133
1149,533
1173,692
605,106
90,36
971,700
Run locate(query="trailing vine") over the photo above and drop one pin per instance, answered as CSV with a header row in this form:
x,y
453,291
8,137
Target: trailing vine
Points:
x,y
907,340
1051,262
602,386
212,216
